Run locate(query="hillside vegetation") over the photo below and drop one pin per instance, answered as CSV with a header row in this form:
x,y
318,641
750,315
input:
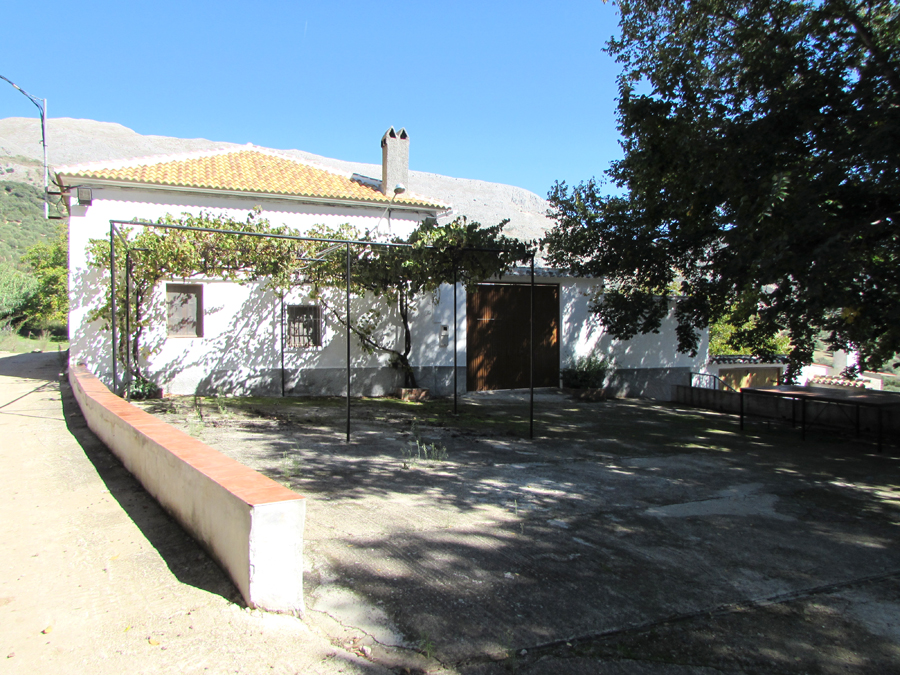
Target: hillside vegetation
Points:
x,y
33,265
22,222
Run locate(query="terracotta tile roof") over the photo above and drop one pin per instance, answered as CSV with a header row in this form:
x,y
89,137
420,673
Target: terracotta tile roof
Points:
x,y
539,271
733,360
248,169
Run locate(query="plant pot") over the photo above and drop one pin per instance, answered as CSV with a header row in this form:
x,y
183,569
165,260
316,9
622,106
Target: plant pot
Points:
x,y
414,395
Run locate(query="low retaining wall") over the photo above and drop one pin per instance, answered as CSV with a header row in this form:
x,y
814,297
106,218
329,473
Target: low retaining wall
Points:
x,y
250,524
652,383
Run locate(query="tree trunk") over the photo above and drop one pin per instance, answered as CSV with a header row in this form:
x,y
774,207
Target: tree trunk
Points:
x,y
402,358
135,347
409,378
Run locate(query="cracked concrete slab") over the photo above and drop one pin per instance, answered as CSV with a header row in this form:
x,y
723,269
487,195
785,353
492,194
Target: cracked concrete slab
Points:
x,y
647,536
353,609
880,614
738,500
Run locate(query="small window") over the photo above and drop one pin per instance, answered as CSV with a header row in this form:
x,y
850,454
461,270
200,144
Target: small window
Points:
x,y
184,305
304,326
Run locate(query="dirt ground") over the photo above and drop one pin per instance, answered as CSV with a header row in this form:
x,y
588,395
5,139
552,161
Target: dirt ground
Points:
x,y
627,537
96,578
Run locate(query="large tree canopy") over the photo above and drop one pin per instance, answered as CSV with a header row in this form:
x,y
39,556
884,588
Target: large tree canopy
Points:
x,y
760,177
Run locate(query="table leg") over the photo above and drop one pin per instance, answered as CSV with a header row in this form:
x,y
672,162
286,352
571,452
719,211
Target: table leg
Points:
x,y
803,419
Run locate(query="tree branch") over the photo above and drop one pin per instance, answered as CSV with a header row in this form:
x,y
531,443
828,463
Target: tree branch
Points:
x,y
365,339
865,36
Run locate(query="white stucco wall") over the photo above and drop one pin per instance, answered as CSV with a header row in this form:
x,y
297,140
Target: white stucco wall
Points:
x,y
583,334
241,335
240,350
639,362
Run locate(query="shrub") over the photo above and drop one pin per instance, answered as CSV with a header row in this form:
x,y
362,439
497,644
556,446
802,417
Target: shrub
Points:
x,y
48,261
891,383
142,389
587,372
16,290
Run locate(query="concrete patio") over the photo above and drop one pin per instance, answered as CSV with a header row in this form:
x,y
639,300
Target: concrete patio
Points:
x,y
628,536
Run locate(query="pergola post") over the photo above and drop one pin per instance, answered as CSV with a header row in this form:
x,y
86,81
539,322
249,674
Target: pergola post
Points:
x,y
112,290
455,347
348,341
531,359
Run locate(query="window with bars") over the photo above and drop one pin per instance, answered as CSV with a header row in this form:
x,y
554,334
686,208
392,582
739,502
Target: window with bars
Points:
x,y
184,310
304,327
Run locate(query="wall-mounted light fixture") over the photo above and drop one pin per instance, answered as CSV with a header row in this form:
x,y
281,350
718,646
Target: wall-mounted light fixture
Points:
x,y
399,189
85,196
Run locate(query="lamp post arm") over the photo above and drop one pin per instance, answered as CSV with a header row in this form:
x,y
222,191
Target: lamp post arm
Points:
x,y
41,104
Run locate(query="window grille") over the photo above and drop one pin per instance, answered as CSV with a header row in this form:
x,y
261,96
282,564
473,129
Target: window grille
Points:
x,y
304,326
184,309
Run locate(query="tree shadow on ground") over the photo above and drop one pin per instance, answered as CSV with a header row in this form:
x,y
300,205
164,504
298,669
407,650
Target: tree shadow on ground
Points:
x,y
619,516
35,364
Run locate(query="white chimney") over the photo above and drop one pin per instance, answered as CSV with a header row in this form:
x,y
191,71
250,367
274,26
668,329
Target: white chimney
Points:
x,y
394,162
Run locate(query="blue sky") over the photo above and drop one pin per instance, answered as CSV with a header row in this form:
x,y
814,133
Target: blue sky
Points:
x,y
519,93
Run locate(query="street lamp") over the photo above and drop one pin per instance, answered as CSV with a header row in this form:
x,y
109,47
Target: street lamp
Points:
x,y
41,104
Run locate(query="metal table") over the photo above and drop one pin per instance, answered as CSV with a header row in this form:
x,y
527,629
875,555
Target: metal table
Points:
x,y
857,398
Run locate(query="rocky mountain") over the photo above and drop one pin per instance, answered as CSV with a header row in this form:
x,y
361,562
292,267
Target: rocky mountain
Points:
x,y
72,141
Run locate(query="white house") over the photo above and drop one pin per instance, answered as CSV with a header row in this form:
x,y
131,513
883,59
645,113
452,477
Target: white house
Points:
x,y
210,336
821,375
744,371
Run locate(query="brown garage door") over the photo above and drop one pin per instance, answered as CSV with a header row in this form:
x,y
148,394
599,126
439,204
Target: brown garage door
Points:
x,y
497,336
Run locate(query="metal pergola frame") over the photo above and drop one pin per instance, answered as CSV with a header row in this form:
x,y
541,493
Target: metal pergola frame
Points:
x,y
347,243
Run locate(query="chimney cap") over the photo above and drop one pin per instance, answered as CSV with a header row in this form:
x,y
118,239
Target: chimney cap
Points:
x,y
391,133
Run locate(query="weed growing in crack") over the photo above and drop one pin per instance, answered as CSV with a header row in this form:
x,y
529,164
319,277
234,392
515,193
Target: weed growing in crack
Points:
x,y
428,452
222,408
195,427
293,465
434,452
409,457
426,646
198,407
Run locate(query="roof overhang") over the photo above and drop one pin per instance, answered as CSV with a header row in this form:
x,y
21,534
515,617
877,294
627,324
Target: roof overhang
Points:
x,y
70,181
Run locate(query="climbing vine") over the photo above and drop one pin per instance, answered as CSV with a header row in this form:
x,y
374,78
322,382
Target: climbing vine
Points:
x,y
434,254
